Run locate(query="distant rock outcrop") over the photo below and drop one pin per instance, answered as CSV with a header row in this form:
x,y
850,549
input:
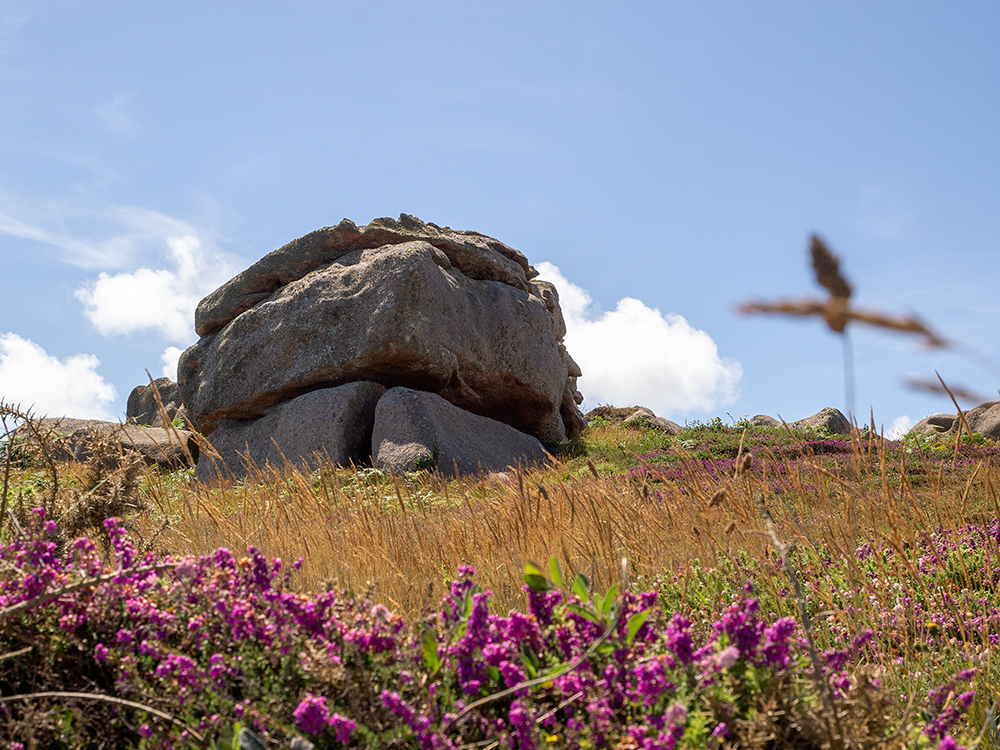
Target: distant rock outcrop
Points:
x,y
829,419
643,417
142,408
397,303
983,420
156,446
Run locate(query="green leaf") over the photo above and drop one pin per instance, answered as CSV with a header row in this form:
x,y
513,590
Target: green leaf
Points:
x,y
530,661
581,587
534,576
431,658
609,599
584,612
467,601
493,672
634,623
536,582
555,572
532,569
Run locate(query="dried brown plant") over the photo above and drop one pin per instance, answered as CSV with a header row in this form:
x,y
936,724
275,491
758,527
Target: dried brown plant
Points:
x,y
933,386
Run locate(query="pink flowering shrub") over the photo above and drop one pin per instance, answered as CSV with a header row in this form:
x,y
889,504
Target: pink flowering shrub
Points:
x,y
216,640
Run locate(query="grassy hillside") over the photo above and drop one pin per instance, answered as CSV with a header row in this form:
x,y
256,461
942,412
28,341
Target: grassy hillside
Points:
x,y
840,592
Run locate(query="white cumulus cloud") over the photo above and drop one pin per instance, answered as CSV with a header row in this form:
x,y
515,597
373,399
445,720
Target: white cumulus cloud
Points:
x,y
169,359
49,386
637,355
161,300
899,427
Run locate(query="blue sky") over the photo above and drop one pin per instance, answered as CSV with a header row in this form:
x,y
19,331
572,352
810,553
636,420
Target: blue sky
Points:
x,y
670,159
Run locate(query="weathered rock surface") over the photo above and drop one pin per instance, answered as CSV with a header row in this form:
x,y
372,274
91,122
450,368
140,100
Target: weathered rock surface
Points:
x,y
935,423
643,417
331,424
142,409
829,419
420,430
453,314
156,445
475,255
983,419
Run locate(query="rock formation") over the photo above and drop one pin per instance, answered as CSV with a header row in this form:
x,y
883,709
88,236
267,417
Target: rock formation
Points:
x,y
156,446
142,407
643,417
829,419
983,419
397,303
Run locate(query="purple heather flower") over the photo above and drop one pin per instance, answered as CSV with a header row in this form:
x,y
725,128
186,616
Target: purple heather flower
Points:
x,y
101,652
310,715
676,714
678,638
727,657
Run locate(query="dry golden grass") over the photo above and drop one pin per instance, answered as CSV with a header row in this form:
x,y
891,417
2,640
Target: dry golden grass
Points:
x,y
403,537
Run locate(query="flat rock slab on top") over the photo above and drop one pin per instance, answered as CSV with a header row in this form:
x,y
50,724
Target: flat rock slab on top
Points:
x,y
400,315
475,255
331,424
416,430
156,445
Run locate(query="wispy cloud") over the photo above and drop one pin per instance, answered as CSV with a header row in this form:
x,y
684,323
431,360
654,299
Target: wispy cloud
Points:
x,y
637,355
31,377
114,117
883,214
106,236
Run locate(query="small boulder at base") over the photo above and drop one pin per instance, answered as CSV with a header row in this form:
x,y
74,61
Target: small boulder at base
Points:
x,y
142,407
420,430
155,445
829,419
330,424
762,420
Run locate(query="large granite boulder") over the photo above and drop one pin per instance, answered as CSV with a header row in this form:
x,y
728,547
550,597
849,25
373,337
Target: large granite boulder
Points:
x,y
331,424
142,408
400,303
420,430
156,446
